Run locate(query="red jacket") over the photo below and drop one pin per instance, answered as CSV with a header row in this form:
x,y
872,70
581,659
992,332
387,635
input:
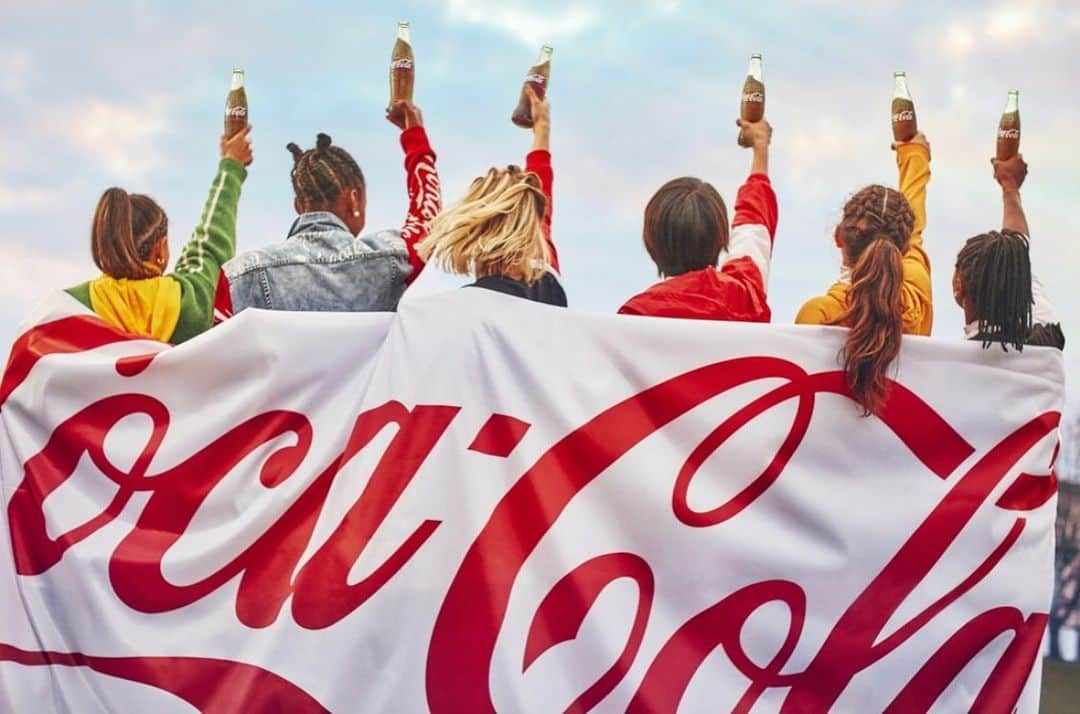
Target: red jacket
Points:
x,y
736,291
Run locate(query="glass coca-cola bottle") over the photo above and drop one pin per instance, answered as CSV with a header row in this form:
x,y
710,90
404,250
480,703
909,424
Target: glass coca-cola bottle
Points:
x,y
1008,135
402,74
537,78
904,124
236,105
752,107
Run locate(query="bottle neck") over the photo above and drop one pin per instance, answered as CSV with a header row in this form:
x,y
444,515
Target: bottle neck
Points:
x,y
237,81
403,32
1012,106
900,88
755,69
545,55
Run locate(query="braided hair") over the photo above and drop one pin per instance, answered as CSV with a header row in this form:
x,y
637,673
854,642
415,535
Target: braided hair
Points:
x,y
125,230
320,175
995,271
874,232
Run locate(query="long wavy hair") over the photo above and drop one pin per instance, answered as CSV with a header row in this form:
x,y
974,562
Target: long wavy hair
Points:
x,y
496,229
874,232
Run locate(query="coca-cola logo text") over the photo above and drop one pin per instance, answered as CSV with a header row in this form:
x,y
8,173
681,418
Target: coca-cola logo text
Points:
x,y
1008,133
905,115
758,97
402,63
462,644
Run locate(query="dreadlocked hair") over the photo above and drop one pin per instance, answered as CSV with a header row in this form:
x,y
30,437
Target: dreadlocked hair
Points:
x,y
496,229
995,270
320,175
874,232
125,230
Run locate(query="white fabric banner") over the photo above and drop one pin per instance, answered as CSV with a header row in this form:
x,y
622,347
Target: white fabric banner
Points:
x,y
481,503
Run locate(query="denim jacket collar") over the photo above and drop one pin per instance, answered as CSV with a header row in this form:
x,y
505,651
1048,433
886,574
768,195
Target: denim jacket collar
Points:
x,y
316,221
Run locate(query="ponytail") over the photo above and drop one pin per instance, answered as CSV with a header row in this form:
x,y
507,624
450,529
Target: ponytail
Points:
x,y
125,230
874,233
874,316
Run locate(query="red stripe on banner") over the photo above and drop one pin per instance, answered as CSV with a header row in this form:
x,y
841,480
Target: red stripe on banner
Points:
x,y
67,335
499,435
1029,492
214,686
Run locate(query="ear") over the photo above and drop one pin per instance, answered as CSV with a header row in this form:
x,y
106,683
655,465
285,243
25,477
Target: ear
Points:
x,y
299,208
159,256
958,288
836,238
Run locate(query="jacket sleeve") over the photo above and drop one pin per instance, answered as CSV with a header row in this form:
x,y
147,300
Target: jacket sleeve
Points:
x,y
913,162
754,227
539,163
211,244
425,194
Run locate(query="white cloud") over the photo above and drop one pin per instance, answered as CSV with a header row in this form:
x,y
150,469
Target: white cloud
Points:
x,y
1013,22
959,41
531,28
15,69
14,197
27,276
124,139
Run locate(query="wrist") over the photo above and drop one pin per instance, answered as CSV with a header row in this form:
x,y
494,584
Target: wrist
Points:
x,y
1010,189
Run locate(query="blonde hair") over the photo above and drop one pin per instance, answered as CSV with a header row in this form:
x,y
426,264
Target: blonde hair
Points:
x,y
496,229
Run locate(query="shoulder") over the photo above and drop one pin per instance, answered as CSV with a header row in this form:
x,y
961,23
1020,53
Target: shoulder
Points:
x,y
251,260
820,310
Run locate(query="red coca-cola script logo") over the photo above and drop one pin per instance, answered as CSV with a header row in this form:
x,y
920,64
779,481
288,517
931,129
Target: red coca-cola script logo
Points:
x,y
472,613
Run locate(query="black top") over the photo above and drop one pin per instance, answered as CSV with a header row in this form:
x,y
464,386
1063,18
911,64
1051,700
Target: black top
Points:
x,y
1039,336
546,290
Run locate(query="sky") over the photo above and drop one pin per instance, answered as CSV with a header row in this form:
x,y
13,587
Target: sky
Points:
x,y
132,94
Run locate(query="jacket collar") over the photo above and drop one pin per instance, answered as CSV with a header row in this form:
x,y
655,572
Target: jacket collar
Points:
x,y
316,221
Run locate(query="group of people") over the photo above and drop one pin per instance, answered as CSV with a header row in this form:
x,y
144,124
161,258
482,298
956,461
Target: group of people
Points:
x,y
500,235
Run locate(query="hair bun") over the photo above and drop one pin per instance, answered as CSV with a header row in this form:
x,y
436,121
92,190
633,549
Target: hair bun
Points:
x,y
322,141
295,150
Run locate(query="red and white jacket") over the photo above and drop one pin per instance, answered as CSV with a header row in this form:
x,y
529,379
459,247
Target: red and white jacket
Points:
x,y
737,290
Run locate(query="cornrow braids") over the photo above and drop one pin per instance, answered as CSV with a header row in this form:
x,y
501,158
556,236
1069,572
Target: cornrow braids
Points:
x,y
874,232
320,175
995,270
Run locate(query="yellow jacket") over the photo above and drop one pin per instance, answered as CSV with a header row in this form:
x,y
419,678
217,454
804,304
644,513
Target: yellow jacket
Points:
x,y
913,160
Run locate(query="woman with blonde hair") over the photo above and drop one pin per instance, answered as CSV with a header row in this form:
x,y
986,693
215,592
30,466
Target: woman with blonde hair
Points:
x,y
500,232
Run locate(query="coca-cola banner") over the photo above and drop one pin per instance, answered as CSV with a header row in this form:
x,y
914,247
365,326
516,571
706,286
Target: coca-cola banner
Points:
x,y
481,503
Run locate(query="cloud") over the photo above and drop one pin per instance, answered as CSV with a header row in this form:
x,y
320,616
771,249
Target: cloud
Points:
x,y
27,276
16,67
530,28
959,41
1013,22
123,138
13,197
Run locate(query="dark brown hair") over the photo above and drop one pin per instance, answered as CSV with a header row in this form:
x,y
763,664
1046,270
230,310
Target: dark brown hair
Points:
x,y
126,228
995,270
874,233
320,175
686,226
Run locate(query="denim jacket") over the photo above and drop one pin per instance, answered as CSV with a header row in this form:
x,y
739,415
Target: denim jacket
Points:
x,y
322,267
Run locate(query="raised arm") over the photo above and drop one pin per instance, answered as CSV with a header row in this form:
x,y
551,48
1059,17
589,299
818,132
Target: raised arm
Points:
x,y
1010,175
213,241
913,163
756,211
538,162
422,183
